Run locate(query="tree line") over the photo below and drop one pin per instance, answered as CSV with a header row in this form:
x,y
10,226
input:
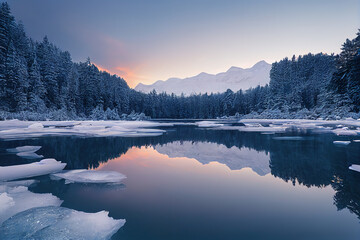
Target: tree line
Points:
x,y
38,80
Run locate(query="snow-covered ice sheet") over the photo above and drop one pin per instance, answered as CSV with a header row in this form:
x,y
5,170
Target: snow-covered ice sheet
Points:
x,y
347,127
52,223
45,166
22,130
342,142
15,197
90,176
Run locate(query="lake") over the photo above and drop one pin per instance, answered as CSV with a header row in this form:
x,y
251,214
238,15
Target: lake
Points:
x,y
204,183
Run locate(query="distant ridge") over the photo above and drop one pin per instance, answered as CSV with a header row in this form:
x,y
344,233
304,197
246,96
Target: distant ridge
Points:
x,y
235,79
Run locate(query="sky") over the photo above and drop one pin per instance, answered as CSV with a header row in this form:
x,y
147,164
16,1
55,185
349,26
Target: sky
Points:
x,y
145,41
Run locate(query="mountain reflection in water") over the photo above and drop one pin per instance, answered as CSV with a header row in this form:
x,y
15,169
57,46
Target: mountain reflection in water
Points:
x,y
239,182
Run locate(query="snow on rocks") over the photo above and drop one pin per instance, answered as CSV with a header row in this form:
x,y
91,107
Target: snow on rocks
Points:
x,y
55,222
342,142
45,166
89,176
15,197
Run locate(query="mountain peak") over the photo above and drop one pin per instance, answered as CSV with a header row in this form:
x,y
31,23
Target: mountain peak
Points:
x,y
262,63
233,68
235,79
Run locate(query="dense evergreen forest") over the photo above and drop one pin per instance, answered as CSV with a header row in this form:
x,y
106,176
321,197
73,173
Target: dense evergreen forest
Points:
x,y
39,81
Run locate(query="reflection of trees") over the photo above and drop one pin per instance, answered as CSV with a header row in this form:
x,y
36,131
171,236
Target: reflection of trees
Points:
x,y
307,162
79,152
315,162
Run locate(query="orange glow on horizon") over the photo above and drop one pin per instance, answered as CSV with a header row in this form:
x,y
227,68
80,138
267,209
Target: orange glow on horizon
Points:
x,y
126,73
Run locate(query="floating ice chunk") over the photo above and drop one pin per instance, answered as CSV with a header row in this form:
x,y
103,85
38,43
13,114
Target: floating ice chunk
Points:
x,y
45,166
60,223
208,124
342,142
263,129
357,140
345,132
355,167
29,155
90,176
24,149
15,197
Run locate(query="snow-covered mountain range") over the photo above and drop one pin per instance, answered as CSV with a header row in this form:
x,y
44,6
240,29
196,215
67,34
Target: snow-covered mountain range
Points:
x,y
235,79
205,152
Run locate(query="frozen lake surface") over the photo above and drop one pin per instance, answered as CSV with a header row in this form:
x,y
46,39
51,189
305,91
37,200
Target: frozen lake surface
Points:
x,y
254,179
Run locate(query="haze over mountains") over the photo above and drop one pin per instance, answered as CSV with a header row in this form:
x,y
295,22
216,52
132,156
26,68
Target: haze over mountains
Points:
x,y
235,79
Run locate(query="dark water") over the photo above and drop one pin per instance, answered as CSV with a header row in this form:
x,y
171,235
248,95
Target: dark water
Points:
x,y
192,183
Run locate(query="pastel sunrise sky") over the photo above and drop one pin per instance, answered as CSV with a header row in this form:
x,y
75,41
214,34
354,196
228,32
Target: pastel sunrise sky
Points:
x,y
145,41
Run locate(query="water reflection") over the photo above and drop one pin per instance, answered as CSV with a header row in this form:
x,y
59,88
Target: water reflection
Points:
x,y
235,158
195,183
180,198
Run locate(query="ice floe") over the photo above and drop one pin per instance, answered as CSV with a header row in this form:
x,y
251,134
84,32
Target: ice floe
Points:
x,y
345,132
26,152
209,124
24,149
60,223
342,142
45,166
22,130
90,176
15,197
348,127
355,167
29,155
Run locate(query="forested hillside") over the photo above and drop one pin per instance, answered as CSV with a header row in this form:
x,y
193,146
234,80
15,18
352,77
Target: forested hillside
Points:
x,y
40,81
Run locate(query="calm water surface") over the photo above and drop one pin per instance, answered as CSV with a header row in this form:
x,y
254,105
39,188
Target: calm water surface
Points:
x,y
193,183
